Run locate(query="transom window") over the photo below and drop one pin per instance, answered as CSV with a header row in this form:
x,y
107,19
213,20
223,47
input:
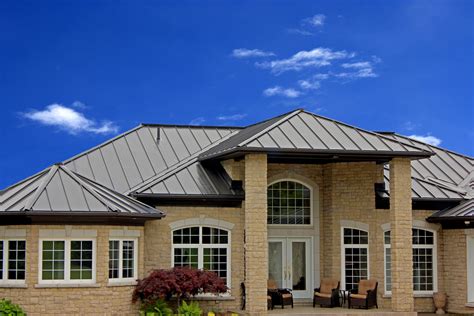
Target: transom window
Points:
x,y
12,260
355,256
122,259
289,202
424,264
203,247
67,261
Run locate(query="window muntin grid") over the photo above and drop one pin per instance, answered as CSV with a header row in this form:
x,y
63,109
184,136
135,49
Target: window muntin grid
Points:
x,y
356,256
67,261
81,260
289,203
122,259
203,247
424,266
12,260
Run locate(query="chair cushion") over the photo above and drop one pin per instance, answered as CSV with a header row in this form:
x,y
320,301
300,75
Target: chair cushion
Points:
x,y
269,297
365,285
286,295
327,285
322,294
271,284
361,296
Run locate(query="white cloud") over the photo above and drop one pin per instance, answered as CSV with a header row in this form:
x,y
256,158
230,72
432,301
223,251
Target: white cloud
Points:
x,y
321,76
429,139
234,117
300,32
316,20
410,126
277,90
197,121
358,65
315,58
309,85
70,120
247,53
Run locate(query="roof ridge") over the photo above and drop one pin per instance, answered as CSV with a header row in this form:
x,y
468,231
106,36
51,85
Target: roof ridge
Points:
x,y
437,147
364,130
32,200
192,126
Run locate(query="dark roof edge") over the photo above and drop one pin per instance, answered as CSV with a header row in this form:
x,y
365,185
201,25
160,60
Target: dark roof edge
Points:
x,y
82,214
375,154
237,197
191,200
440,219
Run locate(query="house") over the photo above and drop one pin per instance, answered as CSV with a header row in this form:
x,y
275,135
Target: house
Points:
x,y
294,198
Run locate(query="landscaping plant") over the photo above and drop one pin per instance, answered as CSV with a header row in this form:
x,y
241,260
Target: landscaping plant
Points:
x,y
180,282
191,309
158,308
7,308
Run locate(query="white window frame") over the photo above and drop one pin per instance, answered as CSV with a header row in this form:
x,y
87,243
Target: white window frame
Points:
x,y
200,247
434,248
385,247
343,253
311,206
470,269
120,267
67,261
6,247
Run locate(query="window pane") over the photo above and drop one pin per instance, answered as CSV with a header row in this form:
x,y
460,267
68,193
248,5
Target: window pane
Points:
x,y
186,236
423,269
114,259
81,260
1,259
16,259
356,259
186,257
288,202
127,259
53,260
388,269
215,259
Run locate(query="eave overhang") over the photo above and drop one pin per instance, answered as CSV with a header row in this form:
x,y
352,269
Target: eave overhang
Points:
x,y
224,200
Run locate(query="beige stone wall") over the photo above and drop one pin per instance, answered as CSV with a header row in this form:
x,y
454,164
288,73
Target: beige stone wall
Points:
x,y
158,246
455,268
92,300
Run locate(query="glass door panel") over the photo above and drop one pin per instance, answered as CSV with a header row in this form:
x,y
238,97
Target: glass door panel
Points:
x,y
298,260
275,262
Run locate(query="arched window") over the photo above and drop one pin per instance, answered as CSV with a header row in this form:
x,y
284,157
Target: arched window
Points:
x,y
203,247
289,202
424,261
355,257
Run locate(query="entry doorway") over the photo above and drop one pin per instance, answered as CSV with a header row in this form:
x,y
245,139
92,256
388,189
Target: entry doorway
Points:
x,y
289,264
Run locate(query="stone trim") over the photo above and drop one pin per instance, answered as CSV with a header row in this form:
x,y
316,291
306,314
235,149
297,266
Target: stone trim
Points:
x,y
125,232
201,221
68,232
354,224
12,233
416,224
63,285
469,232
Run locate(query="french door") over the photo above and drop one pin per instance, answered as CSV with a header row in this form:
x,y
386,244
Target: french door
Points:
x,y
289,264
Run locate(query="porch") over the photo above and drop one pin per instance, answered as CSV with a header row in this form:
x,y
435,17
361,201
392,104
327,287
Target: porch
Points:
x,y
304,310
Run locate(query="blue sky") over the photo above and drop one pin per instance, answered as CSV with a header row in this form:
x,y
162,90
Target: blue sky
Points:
x,y
75,73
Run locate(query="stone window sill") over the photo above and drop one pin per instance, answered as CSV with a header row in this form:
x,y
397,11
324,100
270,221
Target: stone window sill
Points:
x,y
14,285
121,283
414,295
470,304
65,285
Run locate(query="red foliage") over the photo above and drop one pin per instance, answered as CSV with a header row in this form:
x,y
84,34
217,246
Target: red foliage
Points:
x,y
180,281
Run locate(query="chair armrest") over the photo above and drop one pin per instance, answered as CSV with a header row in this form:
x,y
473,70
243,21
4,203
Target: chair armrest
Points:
x,y
352,291
317,289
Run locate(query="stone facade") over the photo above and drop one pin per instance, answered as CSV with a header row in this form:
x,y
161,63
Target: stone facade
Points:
x,y
99,298
343,196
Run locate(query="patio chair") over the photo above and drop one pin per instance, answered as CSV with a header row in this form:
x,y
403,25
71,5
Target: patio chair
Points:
x,y
327,294
279,296
365,296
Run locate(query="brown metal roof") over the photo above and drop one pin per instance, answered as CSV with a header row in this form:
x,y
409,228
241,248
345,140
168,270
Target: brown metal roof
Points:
x,y
464,211
60,190
303,132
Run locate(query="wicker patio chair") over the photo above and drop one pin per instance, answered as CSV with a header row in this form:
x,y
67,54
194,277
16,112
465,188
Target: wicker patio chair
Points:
x,y
365,296
327,294
279,296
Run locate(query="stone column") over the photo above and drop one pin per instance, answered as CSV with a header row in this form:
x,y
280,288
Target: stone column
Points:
x,y
401,235
256,244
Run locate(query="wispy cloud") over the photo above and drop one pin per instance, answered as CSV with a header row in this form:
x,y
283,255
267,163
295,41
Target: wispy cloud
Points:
x,y
300,32
234,117
410,126
197,121
429,139
315,58
279,91
309,85
361,69
358,65
70,120
248,53
316,20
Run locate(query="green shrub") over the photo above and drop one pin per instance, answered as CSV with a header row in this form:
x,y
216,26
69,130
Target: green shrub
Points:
x,y
191,309
158,308
7,308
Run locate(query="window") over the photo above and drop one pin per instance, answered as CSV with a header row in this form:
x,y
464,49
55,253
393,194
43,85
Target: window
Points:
x,y
122,259
203,247
289,202
355,257
12,261
424,263
67,261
